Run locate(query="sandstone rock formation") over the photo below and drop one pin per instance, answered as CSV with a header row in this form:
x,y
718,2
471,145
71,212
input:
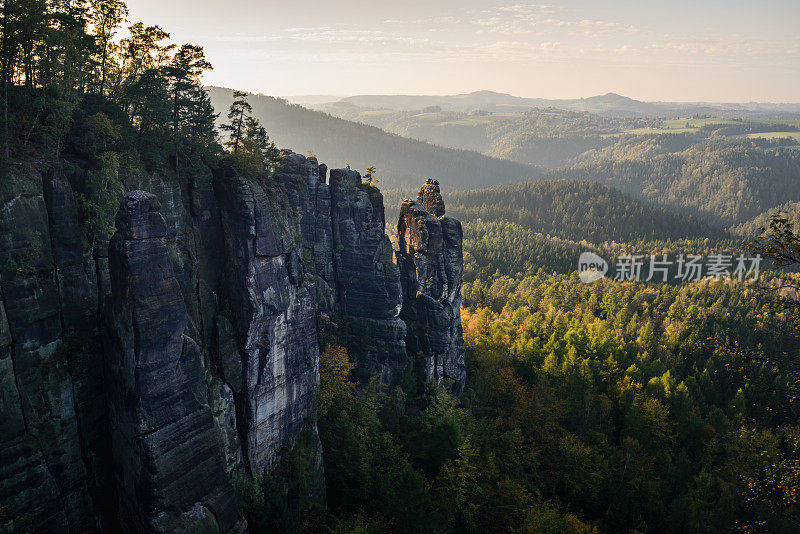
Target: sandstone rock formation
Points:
x,y
169,470
368,292
304,181
349,261
430,197
139,378
44,466
431,262
275,371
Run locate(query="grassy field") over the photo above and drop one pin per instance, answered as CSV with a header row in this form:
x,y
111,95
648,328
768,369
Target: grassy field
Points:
x,y
466,122
376,112
775,135
689,125
681,124
646,131
676,126
476,120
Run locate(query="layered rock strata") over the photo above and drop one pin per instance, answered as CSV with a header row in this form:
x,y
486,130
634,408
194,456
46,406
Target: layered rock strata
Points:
x,y
368,292
48,413
349,261
168,467
273,370
140,378
431,262
303,180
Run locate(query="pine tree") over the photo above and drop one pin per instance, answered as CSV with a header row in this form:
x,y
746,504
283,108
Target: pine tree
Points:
x,y
148,102
30,19
200,121
369,175
8,49
69,46
248,142
107,15
139,52
183,73
237,115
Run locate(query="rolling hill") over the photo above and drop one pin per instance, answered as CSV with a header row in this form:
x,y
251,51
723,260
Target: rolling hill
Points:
x,y
401,162
703,167
725,182
609,104
574,210
523,227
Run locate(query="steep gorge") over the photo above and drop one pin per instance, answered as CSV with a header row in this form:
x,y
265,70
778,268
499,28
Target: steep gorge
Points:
x,y
140,382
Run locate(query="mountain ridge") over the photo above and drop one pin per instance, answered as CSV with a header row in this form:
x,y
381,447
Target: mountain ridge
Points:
x,y
401,162
610,103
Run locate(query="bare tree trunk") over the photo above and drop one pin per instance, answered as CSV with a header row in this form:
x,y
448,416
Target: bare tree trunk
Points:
x,y
238,132
103,68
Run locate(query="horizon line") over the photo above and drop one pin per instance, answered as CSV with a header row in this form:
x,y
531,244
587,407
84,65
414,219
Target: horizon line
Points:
x,y
441,95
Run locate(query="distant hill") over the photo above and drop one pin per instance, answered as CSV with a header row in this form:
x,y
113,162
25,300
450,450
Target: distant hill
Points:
x,y
723,181
311,100
546,137
750,229
684,164
568,209
610,104
401,162
520,228
575,210
487,100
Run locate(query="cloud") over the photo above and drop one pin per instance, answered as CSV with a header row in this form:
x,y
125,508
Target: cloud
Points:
x,y
325,34
518,19
524,35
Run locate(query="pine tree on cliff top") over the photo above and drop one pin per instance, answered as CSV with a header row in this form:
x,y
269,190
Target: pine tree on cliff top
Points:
x,y
238,114
107,15
248,143
184,73
369,175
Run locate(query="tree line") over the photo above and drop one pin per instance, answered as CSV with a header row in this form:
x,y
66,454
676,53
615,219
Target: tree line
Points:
x,y
106,101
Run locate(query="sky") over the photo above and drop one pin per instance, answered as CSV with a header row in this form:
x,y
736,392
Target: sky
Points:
x,y
672,50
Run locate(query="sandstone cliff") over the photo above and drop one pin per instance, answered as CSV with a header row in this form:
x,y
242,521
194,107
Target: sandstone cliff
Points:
x,y
141,379
431,261
169,472
52,400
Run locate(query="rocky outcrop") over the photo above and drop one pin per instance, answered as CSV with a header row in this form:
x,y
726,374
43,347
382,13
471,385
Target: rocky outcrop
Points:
x,y
139,379
208,379
304,182
168,467
43,467
277,375
430,258
430,197
349,261
368,292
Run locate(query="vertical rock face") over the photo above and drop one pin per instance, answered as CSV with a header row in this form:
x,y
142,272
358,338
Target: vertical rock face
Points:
x,y
43,468
274,317
430,197
139,380
169,470
431,262
28,490
368,292
349,260
303,181
77,285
